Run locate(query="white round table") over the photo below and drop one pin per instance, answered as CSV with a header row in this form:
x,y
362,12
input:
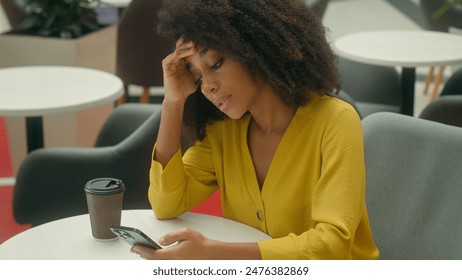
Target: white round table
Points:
x,y
404,48
35,91
71,238
117,3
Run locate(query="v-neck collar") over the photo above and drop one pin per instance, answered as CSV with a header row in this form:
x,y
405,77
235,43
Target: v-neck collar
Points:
x,y
283,148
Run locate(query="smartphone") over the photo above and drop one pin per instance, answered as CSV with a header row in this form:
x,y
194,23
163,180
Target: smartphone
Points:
x,y
134,236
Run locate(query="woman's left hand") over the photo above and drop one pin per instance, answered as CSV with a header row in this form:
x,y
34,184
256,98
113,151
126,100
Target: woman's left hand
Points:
x,y
191,245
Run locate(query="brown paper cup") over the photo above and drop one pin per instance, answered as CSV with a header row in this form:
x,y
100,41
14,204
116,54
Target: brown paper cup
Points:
x,y
104,199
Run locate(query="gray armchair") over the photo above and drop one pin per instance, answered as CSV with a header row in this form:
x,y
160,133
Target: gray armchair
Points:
x,y
453,85
347,98
373,88
318,6
50,181
446,109
451,18
414,187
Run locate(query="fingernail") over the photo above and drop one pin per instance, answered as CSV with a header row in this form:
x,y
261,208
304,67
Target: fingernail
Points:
x,y
161,241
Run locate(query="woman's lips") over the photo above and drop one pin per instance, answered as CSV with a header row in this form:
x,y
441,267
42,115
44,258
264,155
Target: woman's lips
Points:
x,y
221,102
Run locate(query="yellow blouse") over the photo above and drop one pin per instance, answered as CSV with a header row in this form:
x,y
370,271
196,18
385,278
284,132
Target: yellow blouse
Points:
x,y
313,198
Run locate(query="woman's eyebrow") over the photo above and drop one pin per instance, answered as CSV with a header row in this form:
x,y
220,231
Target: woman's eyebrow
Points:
x,y
203,52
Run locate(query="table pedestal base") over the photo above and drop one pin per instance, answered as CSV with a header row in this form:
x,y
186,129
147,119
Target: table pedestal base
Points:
x,y
34,128
408,88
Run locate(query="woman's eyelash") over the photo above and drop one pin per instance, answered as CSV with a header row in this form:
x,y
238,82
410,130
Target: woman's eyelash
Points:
x,y
218,63
215,66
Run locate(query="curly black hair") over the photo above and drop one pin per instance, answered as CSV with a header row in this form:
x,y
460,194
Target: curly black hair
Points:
x,y
280,41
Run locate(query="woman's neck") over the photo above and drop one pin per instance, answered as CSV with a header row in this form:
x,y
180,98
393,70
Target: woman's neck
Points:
x,y
271,114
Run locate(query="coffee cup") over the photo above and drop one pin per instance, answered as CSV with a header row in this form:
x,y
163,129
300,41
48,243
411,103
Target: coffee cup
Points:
x,y
104,200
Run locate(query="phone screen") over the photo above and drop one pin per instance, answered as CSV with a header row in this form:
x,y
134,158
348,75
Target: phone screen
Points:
x,y
135,236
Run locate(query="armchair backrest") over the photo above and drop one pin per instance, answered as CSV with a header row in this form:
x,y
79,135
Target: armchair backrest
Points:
x,y
319,6
50,181
140,50
370,83
446,109
414,186
453,86
122,122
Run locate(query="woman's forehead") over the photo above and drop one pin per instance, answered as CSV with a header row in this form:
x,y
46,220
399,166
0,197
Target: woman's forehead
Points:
x,y
201,54
196,58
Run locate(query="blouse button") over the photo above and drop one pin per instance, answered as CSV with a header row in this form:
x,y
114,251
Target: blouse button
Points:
x,y
260,216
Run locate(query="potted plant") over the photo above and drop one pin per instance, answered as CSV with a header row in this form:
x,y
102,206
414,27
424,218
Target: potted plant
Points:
x,y
62,19
452,4
60,32
441,15
67,33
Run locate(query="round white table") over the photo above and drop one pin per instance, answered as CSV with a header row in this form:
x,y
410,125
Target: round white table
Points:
x,y
404,48
117,3
35,91
71,238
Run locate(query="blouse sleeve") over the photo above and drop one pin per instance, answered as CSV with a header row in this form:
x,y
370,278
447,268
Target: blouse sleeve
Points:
x,y
184,183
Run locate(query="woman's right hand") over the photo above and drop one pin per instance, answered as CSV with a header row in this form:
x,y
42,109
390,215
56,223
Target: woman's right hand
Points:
x,y
179,83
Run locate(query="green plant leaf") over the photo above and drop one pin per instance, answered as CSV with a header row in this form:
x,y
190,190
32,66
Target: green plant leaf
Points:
x,y
28,23
445,8
59,17
440,11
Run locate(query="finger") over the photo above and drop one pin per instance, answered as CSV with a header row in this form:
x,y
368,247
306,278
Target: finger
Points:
x,y
176,236
181,44
182,41
178,56
144,252
154,254
186,51
183,47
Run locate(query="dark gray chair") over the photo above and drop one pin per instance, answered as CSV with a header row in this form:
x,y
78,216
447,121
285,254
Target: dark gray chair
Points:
x,y
50,182
451,18
374,88
318,6
446,109
13,12
414,186
140,50
347,98
453,85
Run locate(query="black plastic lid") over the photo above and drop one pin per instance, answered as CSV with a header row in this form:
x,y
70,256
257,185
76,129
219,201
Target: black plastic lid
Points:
x,y
104,186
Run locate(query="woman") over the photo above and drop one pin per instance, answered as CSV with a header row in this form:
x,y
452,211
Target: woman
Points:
x,y
254,80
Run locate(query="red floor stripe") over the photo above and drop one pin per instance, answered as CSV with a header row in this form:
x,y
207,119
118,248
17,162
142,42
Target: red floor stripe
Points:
x,y
6,170
8,226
